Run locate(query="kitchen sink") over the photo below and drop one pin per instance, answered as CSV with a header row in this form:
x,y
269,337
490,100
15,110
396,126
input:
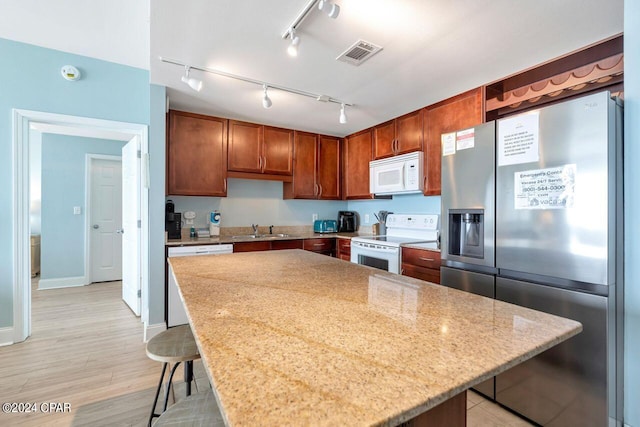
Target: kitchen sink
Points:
x,y
262,236
248,236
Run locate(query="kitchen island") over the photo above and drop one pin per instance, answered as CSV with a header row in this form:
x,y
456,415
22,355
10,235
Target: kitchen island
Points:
x,y
295,338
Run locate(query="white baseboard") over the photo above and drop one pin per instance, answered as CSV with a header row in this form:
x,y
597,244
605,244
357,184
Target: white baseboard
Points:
x,y
6,336
63,282
151,331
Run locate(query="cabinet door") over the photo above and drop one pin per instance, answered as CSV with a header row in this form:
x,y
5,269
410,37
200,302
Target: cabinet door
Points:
x,y
277,151
304,184
245,147
263,245
328,167
409,130
196,155
459,112
384,139
357,155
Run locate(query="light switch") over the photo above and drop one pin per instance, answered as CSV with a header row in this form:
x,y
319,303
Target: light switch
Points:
x,y
366,218
77,210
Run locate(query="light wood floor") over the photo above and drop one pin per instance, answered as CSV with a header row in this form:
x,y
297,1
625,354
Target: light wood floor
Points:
x,y
86,350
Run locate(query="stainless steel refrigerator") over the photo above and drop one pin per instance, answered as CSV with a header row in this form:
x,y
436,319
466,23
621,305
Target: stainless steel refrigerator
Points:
x,y
558,249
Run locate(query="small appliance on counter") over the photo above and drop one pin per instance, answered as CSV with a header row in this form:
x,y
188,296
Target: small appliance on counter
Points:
x,y
172,221
347,222
325,226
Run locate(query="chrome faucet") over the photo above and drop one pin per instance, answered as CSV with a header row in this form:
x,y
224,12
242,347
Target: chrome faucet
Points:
x,y
255,229
271,229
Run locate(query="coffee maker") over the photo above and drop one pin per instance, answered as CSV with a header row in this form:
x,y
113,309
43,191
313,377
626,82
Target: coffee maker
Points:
x,y
347,222
172,221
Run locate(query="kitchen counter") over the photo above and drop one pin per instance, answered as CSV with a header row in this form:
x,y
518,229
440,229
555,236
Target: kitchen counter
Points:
x,y
292,337
216,240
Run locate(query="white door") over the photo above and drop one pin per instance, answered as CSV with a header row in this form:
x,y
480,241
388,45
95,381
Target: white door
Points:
x,y
131,279
106,220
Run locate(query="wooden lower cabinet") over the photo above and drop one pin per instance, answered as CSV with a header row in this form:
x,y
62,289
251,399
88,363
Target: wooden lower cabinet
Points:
x,y
325,246
421,264
286,244
344,249
263,245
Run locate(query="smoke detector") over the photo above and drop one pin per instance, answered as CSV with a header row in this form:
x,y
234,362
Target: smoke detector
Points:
x,y
359,52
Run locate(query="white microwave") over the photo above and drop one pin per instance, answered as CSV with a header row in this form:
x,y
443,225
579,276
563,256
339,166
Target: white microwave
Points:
x,y
397,175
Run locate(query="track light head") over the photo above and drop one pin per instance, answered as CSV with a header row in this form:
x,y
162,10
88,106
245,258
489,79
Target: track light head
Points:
x,y
193,83
343,114
331,9
292,50
266,101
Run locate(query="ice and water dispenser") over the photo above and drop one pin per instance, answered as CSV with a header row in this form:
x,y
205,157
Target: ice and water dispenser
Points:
x,y
466,232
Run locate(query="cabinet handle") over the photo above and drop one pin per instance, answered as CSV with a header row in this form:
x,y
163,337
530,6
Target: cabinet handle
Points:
x,y
225,185
318,244
315,190
425,182
320,190
264,163
426,259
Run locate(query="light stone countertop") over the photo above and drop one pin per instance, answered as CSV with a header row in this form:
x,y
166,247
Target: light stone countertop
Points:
x,y
296,338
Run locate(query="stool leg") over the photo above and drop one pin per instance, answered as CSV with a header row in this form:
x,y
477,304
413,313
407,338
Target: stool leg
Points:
x,y
166,395
188,375
155,400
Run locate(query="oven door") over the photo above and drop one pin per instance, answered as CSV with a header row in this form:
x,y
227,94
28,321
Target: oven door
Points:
x,y
376,255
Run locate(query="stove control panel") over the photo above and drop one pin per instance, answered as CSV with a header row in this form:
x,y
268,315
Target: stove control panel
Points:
x,y
413,222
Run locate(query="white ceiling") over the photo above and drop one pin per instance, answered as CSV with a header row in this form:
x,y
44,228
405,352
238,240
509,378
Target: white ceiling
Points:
x,y
432,49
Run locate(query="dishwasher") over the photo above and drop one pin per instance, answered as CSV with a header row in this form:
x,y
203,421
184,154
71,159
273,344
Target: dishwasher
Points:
x,y
176,315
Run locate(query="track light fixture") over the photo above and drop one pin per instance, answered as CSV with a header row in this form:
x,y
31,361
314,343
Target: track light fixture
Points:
x,y
266,101
292,50
193,83
343,114
327,6
331,9
196,84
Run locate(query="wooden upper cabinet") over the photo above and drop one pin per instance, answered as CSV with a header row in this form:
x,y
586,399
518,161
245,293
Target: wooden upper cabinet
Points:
x,y
245,147
316,167
328,171
401,135
277,151
357,153
456,113
305,155
196,155
260,149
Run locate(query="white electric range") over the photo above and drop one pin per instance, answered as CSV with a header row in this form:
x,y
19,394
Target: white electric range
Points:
x,y
384,252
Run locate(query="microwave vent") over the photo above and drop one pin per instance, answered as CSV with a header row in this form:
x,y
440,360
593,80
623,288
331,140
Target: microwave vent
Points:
x,y
359,52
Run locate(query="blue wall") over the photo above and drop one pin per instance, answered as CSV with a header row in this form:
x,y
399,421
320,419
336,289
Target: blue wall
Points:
x,y
63,234
632,207
31,80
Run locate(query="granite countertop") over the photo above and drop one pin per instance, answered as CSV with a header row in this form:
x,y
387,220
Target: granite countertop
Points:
x,y
296,338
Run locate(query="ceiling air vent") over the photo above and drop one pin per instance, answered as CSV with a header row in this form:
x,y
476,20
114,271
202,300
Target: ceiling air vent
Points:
x,y
359,52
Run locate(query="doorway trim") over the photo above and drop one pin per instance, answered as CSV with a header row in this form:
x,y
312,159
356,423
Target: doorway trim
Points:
x,y
23,121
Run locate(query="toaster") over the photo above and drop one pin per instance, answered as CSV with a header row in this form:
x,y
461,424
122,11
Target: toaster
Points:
x,y
325,226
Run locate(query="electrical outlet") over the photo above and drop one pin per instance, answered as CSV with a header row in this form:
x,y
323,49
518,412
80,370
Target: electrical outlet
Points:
x,y
314,217
77,210
366,218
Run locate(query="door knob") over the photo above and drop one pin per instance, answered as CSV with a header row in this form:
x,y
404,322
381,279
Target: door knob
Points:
x,y
96,226
120,231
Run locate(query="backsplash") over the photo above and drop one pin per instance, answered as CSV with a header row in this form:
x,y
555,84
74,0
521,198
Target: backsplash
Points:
x,y
260,202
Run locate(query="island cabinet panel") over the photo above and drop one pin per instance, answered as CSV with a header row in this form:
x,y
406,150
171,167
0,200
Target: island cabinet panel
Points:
x,y
316,168
398,136
461,111
325,246
344,249
196,155
357,153
259,150
421,264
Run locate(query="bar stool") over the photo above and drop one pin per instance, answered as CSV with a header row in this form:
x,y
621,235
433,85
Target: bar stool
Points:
x,y
199,410
175,345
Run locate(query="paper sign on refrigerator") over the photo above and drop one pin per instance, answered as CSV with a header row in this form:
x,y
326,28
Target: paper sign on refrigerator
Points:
x,y
518,139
